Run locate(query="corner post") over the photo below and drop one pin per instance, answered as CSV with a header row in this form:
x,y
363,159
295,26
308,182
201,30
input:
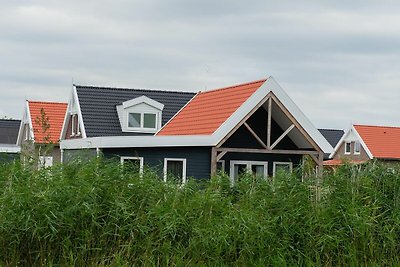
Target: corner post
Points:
x,y
213,161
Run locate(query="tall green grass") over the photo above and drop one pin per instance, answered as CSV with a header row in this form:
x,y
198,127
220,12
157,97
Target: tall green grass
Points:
x,y
95,214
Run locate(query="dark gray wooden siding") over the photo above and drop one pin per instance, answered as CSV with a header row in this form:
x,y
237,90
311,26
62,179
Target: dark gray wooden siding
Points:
x,y
198,159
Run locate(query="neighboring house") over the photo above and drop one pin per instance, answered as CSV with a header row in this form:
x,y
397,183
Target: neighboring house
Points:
x,y
364,142
253,127
40,130
8,139
333,137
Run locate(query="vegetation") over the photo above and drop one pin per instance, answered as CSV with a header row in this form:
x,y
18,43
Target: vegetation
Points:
x,y
94,214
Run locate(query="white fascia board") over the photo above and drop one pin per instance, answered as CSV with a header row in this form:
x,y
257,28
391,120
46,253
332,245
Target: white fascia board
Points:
x,y
66,117
137,141
302,119
80,117
338,145
143,99
272,86
362,143
25,119
4,148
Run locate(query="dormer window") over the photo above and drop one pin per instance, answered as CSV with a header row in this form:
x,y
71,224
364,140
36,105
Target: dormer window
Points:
x,y
140,115
142,120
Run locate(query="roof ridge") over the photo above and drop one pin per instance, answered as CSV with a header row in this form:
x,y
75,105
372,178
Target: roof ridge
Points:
x,y
330,129
233,86
46,102
132,89
377,126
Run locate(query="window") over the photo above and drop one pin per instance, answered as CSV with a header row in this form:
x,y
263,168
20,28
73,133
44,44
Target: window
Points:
x,y
75,129
257,168
142,120
45,161
132,164
357,148
175,170
282,167
347,148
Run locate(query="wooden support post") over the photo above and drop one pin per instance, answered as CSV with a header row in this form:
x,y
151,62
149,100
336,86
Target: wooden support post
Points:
x,y
213,161
220,155
269,123
320,170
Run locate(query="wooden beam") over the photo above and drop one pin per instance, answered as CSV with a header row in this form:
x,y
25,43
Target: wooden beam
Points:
x,y
213,161
282,136
220,155
244,119
255,135
267,151
293,120
269,123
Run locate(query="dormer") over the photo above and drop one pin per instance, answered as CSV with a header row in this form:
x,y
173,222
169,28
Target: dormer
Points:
x,y
140,115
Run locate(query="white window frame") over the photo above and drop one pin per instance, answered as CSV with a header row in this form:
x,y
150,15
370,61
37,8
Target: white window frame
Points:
x,y
45,162
357,144
345,148
75,120
222,164
248,168
142,128
183,168
290,164
141,160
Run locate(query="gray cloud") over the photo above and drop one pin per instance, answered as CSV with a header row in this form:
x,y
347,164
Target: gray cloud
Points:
x,y
337,60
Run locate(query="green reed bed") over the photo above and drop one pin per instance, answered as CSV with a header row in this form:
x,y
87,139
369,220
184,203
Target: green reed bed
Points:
x,y
95,214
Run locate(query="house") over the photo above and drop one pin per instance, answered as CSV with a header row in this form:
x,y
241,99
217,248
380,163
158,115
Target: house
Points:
x,y
362,143
40,130
253,127
8,139
333,137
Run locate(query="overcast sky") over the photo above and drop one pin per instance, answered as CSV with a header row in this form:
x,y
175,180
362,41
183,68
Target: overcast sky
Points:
x,y
338,60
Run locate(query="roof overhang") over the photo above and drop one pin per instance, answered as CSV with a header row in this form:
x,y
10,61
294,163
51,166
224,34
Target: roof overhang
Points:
x,y
5,148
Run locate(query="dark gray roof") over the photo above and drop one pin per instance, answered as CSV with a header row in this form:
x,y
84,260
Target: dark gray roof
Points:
x,y
99,112
9,131
332,136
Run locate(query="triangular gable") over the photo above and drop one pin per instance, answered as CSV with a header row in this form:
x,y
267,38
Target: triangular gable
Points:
x,y
26,119
73,108
351,135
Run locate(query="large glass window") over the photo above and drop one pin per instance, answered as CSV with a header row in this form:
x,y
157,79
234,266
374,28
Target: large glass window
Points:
x,y
238,168
175,170
142,120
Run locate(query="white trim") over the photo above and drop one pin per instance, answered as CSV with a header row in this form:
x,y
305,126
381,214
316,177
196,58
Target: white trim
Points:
x,y
80,117
351,130
141,128
345,148
183,168
248,168
143,99
141,162
290,164
369,153
26,119
12,149
73,103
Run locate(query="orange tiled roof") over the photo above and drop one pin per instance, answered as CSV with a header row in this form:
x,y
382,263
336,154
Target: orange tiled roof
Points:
x,y
207,111
55,113
382,141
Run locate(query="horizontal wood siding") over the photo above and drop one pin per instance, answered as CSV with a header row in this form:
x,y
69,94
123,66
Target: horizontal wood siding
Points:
x,y
198,162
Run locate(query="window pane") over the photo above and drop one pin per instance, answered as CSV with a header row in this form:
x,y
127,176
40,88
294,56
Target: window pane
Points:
x,y
238,170
356,147
347,147
149,120
282,168
134,120
131,165
175,171
257,170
